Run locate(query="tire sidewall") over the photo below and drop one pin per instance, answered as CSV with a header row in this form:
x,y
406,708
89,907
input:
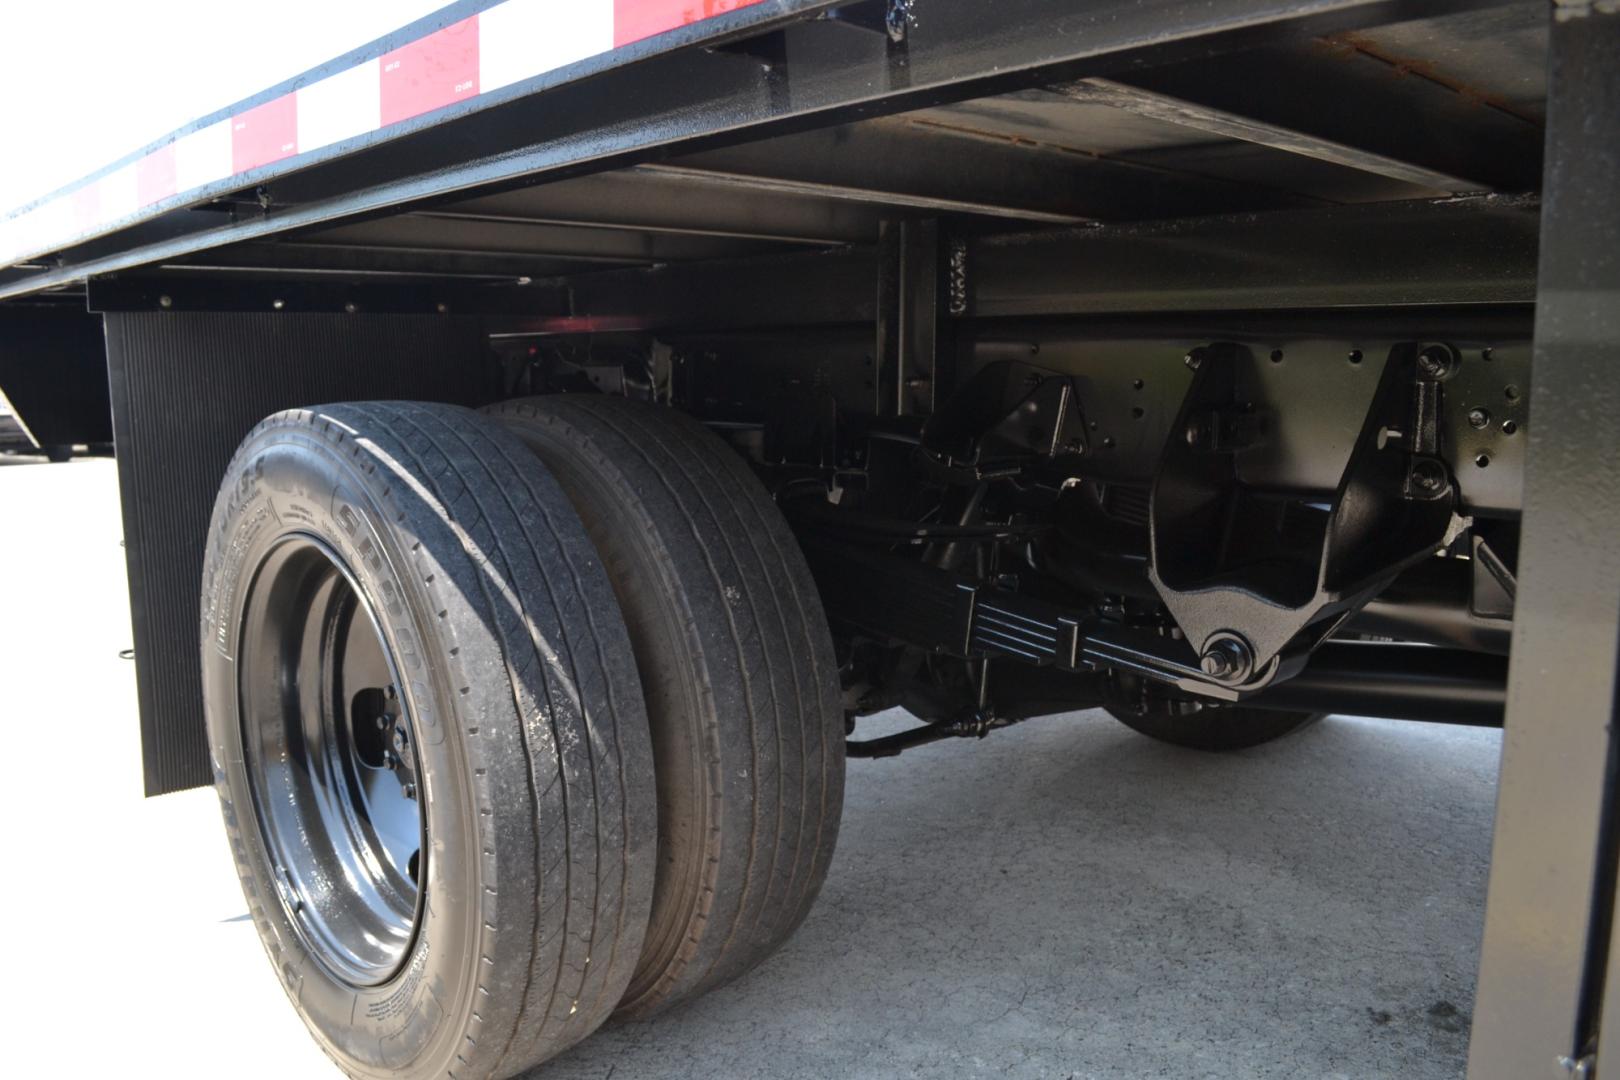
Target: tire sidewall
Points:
x,y
288,480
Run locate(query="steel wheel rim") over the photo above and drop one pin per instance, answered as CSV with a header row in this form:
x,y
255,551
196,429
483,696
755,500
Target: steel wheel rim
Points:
x,y
331,759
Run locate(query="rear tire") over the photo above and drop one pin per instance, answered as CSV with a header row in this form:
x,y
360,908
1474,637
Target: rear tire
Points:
x,y
1217,729
406,569
737,664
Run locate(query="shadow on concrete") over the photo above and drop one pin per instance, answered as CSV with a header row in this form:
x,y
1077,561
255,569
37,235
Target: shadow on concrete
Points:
x,y
1068,898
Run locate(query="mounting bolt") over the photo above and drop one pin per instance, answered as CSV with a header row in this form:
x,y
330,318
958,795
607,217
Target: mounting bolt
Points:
x,y
1479,418
1194,358
1226,658
895,19
1195,432
165,301
408,790
400,741
1428,475
278,304
351,307
1437,361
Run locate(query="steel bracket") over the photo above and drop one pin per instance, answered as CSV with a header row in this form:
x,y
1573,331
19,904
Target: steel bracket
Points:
x,y
1251,576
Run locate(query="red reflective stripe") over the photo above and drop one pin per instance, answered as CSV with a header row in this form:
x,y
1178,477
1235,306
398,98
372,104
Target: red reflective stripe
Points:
x,y
155,176
580,324
264,134
637,19
431,72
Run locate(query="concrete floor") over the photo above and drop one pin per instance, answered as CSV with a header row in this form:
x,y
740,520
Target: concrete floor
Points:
x,y
1064,899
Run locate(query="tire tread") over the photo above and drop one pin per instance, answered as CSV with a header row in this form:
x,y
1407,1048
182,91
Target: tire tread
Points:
x,y
741,576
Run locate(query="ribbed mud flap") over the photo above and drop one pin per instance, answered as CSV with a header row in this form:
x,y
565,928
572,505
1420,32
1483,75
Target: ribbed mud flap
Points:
x,y
186,387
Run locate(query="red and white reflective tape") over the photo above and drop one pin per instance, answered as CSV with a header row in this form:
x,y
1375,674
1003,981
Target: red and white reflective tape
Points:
x,y
501,45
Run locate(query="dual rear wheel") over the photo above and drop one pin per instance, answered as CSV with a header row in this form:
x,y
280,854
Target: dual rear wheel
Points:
x,y
518,720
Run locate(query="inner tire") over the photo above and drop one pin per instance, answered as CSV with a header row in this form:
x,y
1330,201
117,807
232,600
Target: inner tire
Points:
x,y
408,640
1216,729
737,664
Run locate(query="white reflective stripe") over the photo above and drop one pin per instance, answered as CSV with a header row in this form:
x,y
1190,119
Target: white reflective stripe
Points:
x,y
52,220
520,39
203,156
339,107
117,194
25,233
516,40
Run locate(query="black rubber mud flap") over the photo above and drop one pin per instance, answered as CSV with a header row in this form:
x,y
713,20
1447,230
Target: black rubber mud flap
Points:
x,y
186,387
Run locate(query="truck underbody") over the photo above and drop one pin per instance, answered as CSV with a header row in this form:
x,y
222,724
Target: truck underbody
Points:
x,y
1220,365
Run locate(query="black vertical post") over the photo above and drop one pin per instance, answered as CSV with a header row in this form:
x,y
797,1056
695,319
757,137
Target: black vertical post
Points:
x,y
1549,909
887,361
914,347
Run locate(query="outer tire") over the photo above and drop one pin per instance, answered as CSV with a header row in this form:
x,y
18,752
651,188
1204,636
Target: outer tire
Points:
x,y
529,729
737,664
1215,730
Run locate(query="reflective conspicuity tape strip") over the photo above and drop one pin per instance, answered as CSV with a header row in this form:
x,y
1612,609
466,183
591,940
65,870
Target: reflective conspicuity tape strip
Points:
x,y
499,46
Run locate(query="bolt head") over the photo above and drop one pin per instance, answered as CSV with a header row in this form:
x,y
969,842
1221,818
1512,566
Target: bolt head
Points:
x,y
408,790
1428,476
400,741
1479,418
1226,658
1436,361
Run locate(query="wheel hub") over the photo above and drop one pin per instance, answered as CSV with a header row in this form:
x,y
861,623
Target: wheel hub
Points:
x,y
330,754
